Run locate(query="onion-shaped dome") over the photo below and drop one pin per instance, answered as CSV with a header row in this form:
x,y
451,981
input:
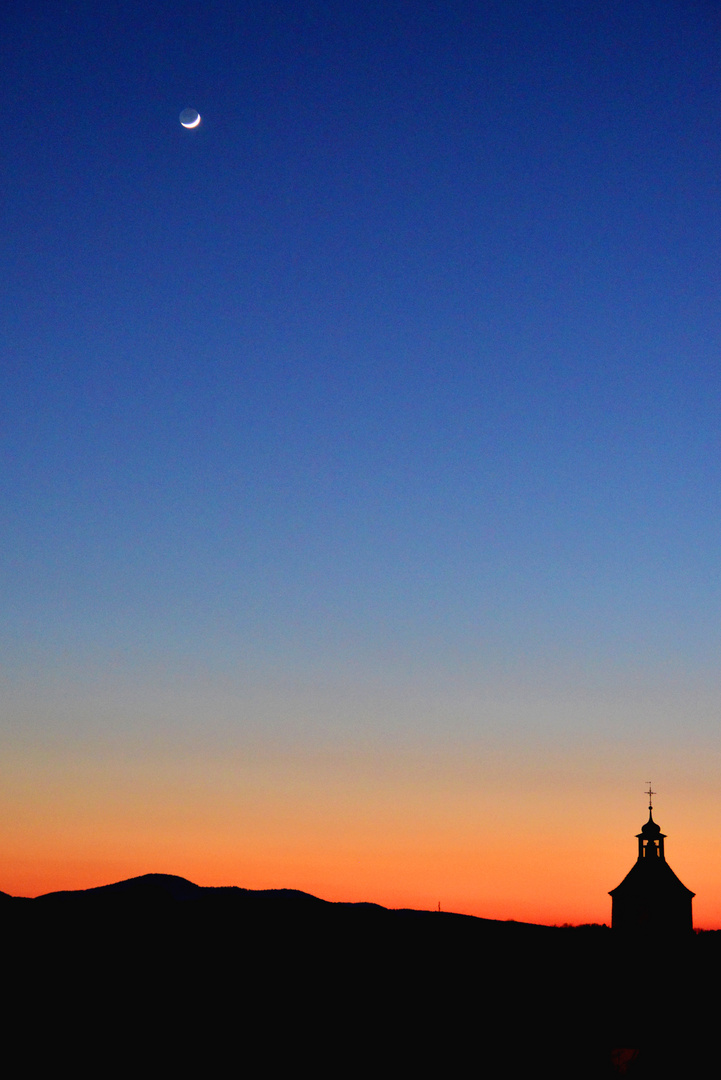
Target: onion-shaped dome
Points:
x,y
651,830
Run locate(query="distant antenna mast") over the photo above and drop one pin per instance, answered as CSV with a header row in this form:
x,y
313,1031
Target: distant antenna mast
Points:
x,y
650,794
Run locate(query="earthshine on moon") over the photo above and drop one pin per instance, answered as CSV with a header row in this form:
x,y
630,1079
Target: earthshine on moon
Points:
x,y
190,118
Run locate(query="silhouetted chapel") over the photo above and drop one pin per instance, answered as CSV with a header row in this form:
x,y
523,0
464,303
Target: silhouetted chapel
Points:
x,y
651,900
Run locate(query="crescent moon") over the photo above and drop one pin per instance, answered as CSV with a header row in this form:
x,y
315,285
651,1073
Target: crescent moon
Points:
x,y
192,123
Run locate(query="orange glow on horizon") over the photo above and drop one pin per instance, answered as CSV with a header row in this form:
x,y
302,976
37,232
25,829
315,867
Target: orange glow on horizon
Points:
x,y
502,882
397,829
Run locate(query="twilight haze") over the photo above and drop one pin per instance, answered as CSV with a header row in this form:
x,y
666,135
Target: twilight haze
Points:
x,y
361,448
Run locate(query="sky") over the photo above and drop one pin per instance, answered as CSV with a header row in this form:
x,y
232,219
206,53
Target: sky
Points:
x,y
361,449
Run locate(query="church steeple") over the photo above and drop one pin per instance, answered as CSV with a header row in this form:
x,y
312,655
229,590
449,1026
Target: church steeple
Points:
x,y
650,839
651,899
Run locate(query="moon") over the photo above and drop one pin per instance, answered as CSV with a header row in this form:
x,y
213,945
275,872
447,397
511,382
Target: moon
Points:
x,y
190,118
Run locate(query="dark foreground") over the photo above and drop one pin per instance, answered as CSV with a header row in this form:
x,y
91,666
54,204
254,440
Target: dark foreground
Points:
x,y
160,975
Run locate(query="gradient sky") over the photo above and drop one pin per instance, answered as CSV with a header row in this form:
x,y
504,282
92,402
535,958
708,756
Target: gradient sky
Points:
x,y
361,448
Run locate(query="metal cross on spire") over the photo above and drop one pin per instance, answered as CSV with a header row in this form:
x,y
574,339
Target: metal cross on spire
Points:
x,y
650,794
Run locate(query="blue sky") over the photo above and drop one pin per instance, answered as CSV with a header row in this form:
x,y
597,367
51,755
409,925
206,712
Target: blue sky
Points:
x,y
403,366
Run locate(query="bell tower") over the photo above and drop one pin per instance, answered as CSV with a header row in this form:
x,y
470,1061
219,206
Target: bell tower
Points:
x,y
650,839
651,899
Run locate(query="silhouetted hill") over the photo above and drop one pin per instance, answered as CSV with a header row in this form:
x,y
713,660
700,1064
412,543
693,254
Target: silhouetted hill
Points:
x,y
150,890
271,980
